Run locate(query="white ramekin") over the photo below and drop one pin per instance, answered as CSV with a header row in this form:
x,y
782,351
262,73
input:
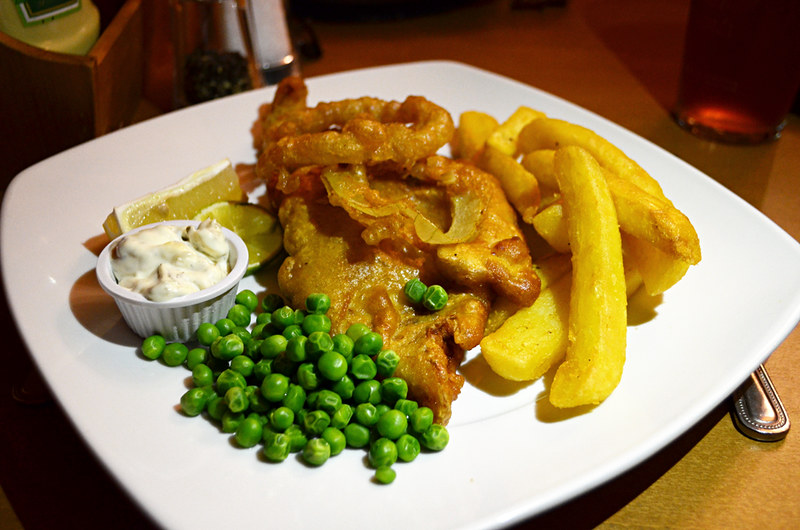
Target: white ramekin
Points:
x,y
176,319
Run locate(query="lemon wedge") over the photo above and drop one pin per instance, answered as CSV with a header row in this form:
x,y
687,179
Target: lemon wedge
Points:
x,y
260,230
215,183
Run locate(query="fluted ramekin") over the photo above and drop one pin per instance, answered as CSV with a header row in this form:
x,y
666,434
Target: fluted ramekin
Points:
x,y
176,319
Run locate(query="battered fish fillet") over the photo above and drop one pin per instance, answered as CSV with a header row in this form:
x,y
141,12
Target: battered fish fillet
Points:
x,y
327,253
365,284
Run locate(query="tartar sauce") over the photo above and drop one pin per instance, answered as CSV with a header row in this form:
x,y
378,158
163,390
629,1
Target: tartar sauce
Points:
x,y
166,261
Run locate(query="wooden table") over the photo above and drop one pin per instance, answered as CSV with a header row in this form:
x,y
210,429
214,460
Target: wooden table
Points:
x,y
619,59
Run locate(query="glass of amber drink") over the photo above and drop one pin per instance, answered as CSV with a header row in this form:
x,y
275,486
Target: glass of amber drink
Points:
x,y
741,69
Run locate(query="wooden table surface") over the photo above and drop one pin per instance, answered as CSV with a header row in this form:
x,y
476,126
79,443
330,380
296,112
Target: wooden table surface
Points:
x,y
617,58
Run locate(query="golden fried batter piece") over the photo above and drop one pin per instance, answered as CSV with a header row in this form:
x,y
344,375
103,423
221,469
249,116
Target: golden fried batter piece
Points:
x,y
365,284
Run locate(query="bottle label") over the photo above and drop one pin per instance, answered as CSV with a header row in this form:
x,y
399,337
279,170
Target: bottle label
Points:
x,y
33,12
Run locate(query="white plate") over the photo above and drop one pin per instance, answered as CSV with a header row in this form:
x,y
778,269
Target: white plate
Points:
x,y
508,457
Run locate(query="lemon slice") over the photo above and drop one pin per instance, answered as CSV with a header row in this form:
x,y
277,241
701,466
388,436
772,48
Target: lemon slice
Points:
x,y
259,229
218,182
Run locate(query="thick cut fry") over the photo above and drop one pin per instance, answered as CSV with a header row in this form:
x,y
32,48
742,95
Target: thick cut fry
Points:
x,y
655,220
640,214
540,163
504,138
598,303
551,225
549,133
519,185
659,271
531,341
474,128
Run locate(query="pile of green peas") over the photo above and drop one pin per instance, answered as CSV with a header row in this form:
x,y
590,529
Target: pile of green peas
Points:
x,y
291,386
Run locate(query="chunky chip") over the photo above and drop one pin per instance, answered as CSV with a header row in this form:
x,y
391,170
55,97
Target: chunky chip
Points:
x,y
598,304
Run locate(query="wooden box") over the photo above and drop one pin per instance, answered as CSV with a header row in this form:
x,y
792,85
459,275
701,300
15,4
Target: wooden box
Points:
x,y
52,101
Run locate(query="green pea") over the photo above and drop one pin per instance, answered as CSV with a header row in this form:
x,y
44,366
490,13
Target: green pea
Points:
x,y
435,438
264,319
262,369
252,348
316,322
382,452
318,343
317,451
421,419
282,317
318,303
236,398
193,401
202,375
273,346
258,403
196,356
248,299
271,302
368,344
392,424
216,407
386,362
248,433
315,422
275,386
332,365
174,354
297,438
295,398
336,440
392,389
382,408
229,379
435,298
406,406
355,331
307,376
363,368
242,333
225,326
344,345
278,447
414,290
328,401
296,348
243,364
227,347
280,418
153,346
292,330
367,392
385,475
298,317
239,314
207,333
342,416
408,447
231,420
366,414
344,387
357,435
282,365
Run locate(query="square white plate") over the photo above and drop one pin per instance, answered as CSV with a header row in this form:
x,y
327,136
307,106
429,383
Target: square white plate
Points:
x,y
508,457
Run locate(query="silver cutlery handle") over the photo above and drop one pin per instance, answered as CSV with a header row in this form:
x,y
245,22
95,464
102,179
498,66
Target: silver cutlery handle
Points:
x,y
758,411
